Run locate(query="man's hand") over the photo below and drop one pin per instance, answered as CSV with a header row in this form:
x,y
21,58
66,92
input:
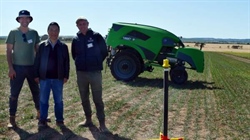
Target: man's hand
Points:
x,y
65,80
37,80
12,74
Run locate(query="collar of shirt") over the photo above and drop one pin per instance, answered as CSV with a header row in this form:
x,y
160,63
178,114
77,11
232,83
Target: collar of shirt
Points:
x,y
53,45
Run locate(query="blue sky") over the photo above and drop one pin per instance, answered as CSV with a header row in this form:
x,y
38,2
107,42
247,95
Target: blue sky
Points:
x,y
186,18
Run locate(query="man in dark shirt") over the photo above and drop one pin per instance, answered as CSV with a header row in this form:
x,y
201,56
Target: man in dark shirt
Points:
x,y
89,50
52,71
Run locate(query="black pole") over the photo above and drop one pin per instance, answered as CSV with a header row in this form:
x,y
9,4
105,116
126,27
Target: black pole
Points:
x,y
165,84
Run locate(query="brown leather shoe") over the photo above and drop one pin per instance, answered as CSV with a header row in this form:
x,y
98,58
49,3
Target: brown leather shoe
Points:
x,y
12,122
38,114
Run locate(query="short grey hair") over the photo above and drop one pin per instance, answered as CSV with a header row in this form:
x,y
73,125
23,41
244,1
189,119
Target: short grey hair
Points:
x,y
81,19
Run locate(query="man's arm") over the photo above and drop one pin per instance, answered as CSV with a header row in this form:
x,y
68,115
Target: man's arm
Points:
x,y
73,49
66,61
37,42
37,47
12,73
37,62
103,46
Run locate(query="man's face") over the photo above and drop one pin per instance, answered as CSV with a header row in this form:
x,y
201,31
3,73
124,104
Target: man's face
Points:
x,y
83,26
53,32
24,21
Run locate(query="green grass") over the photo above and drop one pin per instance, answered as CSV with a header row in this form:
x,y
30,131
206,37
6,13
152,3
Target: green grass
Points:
x,y
240,54
2,41
233,77
210,105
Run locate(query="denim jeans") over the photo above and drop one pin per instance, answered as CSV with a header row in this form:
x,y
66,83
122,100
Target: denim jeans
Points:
x,y
93,80
56,86
16,84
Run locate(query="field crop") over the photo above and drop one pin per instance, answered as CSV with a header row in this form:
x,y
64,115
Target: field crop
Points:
x,y
240,54
210,105
2,41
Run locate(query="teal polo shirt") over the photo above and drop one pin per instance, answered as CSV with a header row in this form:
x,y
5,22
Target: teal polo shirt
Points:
x,y
23,46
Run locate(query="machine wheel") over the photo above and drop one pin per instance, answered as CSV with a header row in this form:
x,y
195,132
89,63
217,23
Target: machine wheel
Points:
x,y
125,66
178,75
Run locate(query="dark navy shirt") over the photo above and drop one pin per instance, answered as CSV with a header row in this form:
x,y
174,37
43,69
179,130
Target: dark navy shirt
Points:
x,y
52,63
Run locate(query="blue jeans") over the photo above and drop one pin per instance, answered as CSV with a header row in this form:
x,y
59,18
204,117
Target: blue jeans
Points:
x,y
22,73
56,86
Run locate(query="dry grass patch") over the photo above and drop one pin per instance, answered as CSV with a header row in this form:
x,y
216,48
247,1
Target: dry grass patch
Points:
x,y
221,47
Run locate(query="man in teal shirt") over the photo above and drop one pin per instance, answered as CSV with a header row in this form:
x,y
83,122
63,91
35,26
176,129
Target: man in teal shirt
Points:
x,y
22,44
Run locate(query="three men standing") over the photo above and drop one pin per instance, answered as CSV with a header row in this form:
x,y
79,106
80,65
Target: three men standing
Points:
x,y
50,60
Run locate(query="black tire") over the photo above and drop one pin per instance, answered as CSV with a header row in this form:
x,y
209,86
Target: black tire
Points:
x,y
178,75
125,66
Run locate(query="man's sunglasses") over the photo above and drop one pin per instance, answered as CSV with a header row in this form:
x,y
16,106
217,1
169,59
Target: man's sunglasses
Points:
x,y
24,37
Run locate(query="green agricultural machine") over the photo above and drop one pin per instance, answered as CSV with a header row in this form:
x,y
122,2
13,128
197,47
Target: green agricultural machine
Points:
x,y
135,48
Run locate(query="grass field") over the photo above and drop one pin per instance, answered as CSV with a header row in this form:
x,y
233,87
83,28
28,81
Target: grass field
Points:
x,y
239,54
211,105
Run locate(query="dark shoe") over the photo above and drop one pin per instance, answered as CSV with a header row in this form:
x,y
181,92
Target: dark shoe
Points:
x,y
42,124
85,124
12,123
60,123
104,129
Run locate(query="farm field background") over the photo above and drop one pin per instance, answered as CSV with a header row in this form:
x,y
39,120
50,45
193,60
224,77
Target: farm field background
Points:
x,y
210,105
222,47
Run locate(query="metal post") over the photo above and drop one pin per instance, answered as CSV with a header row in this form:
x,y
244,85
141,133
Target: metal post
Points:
x,y
164,136
165,83
166,67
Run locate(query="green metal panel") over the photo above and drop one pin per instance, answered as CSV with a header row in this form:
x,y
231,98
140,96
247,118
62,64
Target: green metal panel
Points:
x,y
192,56
117,36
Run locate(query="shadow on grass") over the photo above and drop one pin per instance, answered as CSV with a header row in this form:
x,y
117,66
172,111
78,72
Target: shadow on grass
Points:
x,y
68,134
48,133
195,85
145,82
97,135
22,133
158,83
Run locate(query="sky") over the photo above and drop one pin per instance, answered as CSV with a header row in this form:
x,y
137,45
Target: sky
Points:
x,y
186,18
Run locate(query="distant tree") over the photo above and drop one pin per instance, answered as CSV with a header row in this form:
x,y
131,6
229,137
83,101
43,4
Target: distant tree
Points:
x,y
44,37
